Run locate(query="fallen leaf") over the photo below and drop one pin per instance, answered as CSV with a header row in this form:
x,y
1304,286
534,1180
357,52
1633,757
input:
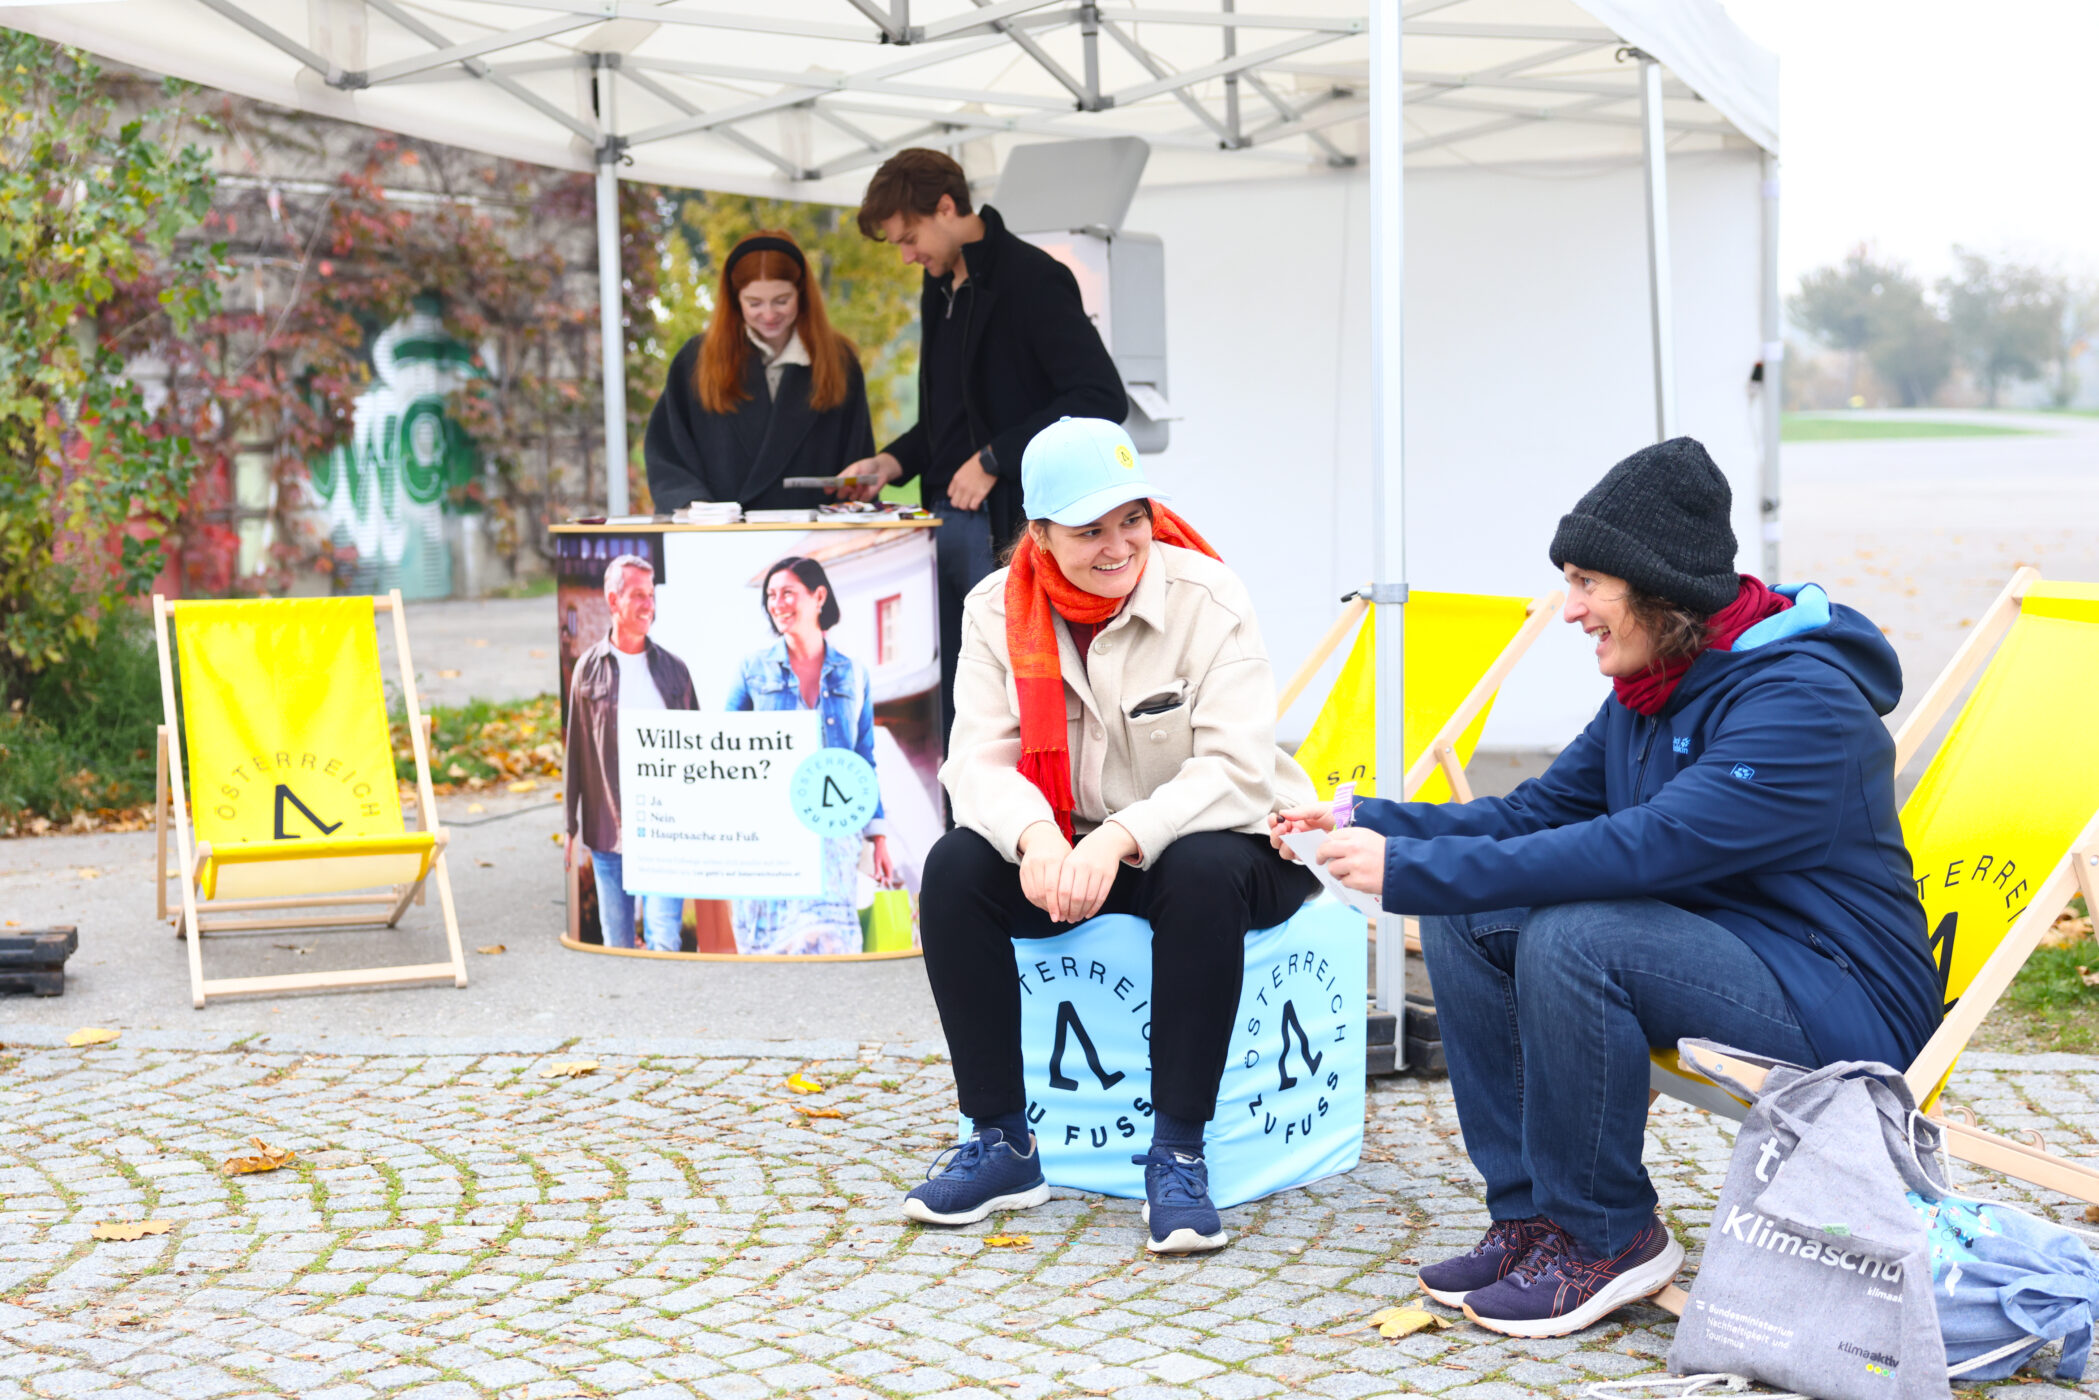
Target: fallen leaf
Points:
x,y
536,653
477,641
814,1111
525,785
92,1035
2090,979
266,1159
569,1069
2091,1215
1405,1322
803,1084
555,838
1008,1241
476,807
86,872
131,1229
448,675
492,948
292,948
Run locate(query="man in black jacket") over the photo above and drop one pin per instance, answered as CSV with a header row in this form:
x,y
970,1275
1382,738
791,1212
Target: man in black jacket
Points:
x,y
1006,350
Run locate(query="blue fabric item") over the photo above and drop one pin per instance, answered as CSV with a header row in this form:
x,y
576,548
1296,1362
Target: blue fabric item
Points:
x,y
1177,1188
1546,1017
980,1168
1999,1275
662,915
1761,797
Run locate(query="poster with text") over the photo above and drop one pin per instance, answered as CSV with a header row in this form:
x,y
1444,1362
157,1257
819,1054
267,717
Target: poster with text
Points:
x,y
686,654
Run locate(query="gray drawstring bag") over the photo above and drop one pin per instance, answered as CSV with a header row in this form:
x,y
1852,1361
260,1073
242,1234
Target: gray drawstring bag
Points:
x,y
1817,1272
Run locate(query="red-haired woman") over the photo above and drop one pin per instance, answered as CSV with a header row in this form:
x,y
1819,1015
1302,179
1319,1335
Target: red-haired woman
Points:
x,y
769,391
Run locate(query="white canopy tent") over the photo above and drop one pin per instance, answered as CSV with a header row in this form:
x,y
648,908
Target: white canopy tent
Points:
x,y
1533,134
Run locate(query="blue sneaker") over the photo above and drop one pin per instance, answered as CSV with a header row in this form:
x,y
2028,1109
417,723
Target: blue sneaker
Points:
x,y
982,1175
1177,1204
1505,1245
1558,1289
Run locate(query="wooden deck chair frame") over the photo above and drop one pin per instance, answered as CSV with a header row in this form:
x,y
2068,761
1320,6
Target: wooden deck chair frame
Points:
x,y
2076,872
171,808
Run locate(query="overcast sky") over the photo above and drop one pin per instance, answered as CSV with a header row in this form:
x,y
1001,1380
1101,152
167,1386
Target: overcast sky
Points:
x,y
1917,124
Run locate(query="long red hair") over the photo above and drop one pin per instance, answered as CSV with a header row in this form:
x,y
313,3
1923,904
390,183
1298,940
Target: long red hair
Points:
x,y
719,378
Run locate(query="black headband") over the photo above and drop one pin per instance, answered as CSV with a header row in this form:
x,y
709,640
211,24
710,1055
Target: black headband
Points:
x,y
766,244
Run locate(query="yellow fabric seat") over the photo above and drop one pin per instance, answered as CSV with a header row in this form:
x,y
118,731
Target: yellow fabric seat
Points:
x,y
281,790
324,865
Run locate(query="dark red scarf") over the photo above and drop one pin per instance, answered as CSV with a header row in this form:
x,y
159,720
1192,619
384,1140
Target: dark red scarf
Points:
x,y
1647,692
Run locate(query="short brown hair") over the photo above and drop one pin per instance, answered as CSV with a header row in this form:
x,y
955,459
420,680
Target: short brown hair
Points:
x,y
1677,632
911,182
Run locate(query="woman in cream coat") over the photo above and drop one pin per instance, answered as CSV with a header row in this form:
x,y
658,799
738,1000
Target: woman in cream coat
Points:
x,y
1113,752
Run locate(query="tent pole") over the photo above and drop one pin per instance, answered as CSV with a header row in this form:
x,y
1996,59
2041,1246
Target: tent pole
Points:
x,y
611,331
1774,373
1387,456
1660,312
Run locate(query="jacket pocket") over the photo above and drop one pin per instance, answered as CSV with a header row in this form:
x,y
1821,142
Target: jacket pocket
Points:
x,y
1161,701
1160,742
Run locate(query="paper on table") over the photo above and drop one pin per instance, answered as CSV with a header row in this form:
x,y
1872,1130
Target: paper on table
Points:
x,y
1305,846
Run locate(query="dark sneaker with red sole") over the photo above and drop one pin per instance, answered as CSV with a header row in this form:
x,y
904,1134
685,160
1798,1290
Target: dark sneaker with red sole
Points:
x,y
1556,1290
1450,1281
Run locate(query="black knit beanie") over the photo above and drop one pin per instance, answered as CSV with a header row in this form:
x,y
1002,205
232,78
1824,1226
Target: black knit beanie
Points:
x,y
1658,520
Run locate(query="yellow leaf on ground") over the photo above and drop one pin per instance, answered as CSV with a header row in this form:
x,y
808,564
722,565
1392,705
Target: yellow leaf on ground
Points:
x,y
555,838
1405,1322
2090,979
569,1069
448,675
2091,1215
476,807
803,1084
813,1111
492,948
87,872
266,1159
1008,1241
525,785
92,1035
131,1229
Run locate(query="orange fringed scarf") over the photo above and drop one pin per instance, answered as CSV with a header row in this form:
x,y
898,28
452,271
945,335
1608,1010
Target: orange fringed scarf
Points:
x,y
1036,593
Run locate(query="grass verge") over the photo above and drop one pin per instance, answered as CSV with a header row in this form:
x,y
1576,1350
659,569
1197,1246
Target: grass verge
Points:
x,y
2050,1005
1831,427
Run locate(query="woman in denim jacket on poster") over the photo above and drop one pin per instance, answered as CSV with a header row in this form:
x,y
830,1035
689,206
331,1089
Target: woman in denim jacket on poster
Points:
x,y
801,671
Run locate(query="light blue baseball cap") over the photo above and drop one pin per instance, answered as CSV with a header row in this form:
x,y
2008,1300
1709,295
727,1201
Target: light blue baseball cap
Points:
x,y
1078,469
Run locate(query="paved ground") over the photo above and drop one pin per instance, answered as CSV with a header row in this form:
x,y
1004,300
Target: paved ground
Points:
x,y
672,1227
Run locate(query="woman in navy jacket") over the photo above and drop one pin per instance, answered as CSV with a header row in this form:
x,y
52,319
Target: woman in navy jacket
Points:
x,y
1716,855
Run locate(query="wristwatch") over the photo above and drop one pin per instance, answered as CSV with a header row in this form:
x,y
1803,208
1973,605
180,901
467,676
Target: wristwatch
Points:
x,y
986,460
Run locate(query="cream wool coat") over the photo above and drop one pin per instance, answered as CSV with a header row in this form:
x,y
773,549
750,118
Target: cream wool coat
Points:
x,y
1185,646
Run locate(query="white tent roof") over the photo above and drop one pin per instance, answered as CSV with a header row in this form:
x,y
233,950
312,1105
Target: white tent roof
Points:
x,y
800,98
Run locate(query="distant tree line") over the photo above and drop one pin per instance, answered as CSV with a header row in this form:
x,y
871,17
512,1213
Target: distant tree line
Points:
x,y
1996,321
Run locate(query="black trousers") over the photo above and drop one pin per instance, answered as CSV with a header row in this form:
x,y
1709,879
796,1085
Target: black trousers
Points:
x,y
1201,896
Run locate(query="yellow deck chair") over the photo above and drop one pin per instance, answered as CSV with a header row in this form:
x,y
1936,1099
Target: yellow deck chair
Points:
x,y
2003,829
1460,648
294,805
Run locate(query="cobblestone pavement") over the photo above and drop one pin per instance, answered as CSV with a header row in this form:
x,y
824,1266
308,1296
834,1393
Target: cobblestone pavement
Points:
x,y
673,1225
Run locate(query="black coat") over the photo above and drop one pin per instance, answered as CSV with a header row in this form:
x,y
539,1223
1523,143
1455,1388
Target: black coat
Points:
x,y
695,455
1032,356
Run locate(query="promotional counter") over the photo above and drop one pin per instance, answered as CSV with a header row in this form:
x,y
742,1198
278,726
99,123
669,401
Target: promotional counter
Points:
x,y
780,805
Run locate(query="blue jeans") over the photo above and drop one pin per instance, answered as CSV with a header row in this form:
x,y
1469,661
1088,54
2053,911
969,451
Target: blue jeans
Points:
x,y
961,560
662,915
1587,988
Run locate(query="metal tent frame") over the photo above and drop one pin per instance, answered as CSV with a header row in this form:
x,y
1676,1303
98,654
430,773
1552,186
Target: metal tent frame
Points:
x,y
799,98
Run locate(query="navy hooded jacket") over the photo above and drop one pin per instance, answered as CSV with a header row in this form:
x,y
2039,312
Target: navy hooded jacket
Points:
x,y
1762,797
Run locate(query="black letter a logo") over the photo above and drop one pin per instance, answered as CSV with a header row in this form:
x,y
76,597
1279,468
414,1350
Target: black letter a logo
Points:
x,y
1304,1047
284,795
1067,1018
1942,949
